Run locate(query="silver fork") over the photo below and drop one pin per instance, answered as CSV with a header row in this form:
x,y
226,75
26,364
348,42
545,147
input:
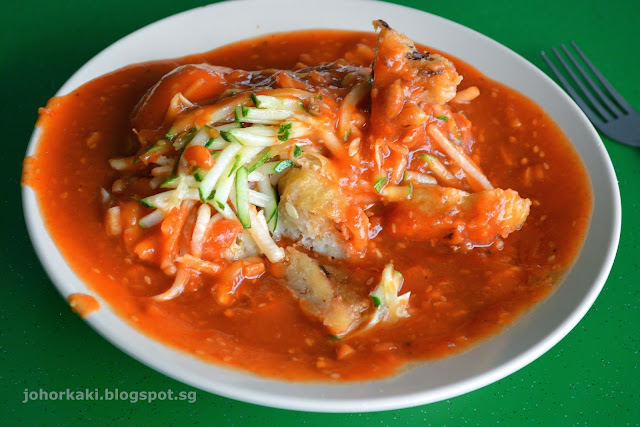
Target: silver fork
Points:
x,y
609,112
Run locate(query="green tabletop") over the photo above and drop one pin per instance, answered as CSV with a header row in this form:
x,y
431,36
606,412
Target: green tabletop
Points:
x,y
592,377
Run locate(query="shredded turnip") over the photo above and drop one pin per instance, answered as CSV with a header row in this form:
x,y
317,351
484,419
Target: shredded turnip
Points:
x,y
419,178
478,181
225,210
118,186
121,164
282,92
199,230
179,283
165,161
161,170
389,307
200,265
354,147
114,221
105,196
256,176
466,95
209,114
332,142
260,233
152,219
349,106
177,105
258,199
155,182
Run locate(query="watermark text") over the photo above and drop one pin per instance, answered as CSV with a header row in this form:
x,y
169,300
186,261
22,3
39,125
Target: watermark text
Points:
x,y
106,394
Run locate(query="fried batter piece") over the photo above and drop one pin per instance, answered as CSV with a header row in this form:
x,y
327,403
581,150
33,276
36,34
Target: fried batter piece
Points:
x,y
321,298
320,215
402,73
455,217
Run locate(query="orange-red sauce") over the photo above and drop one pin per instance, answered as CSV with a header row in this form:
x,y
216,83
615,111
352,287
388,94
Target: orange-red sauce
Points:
x,y
457,298
83,304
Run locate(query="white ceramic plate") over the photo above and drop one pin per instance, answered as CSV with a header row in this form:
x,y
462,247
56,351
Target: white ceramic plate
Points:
x,y
531,336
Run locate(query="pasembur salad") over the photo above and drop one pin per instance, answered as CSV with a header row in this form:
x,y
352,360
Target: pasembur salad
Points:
x,y
331,219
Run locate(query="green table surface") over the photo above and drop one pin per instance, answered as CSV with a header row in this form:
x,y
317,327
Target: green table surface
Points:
x,y
592,377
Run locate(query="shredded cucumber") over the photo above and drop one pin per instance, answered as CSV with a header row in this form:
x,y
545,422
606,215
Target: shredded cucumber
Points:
x,y
394,193
159,145
201,137
271,205
261,116
249,137
162,200
274,167
225,183
271,102
242,197
173,181
223,187
224,159
419,178
379,183
263,157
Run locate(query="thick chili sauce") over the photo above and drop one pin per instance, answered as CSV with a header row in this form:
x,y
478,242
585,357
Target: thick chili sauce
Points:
x,y
458,297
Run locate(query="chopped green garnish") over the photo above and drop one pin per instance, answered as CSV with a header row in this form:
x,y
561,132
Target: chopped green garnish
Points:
x,y
375,299
283,165
379,184
443,117
169,135
255,100
297,151
284,131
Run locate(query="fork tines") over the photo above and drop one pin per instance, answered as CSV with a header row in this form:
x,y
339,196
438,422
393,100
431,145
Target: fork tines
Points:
x,y
602,104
